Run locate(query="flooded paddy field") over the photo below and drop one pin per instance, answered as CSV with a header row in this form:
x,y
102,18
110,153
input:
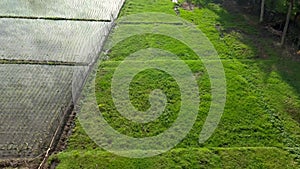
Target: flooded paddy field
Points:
x,y
46,50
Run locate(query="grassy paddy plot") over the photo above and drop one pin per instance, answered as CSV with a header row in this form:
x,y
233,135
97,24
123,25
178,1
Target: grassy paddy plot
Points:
x,y
260,124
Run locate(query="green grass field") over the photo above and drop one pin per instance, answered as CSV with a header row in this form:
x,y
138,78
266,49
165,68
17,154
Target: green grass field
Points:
x,y
260,124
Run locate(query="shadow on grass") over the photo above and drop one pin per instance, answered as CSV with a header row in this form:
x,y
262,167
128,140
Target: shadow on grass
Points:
x,y
280,67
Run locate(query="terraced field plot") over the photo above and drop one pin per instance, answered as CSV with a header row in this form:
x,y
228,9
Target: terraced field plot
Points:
x,y
46,50
48,40
69,9
260,124
33,101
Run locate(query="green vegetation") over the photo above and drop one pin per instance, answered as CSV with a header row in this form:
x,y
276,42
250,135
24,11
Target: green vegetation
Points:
x,y
181,158
260,124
